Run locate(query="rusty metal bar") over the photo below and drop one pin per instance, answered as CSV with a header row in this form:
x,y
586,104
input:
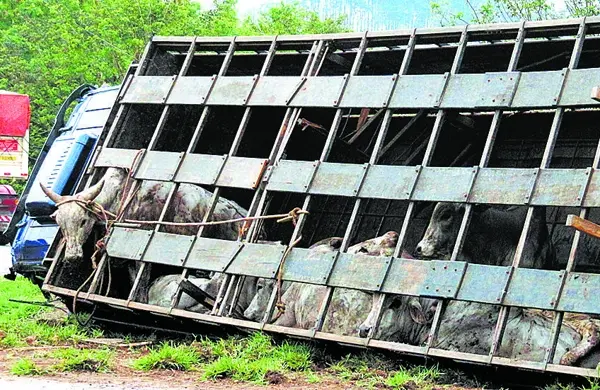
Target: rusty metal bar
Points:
x,y
410,47
437,126
258,196
545,163
331,136
484,160
217,191
151,146
281,141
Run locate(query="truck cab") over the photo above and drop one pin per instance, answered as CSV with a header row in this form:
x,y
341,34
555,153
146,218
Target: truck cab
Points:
x,y
60,166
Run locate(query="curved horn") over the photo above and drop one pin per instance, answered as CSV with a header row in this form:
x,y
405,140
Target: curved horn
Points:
x,y
51,194
92,192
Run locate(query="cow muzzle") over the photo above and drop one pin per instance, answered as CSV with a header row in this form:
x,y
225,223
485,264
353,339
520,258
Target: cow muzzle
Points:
x,y
363,331
73,253
425,249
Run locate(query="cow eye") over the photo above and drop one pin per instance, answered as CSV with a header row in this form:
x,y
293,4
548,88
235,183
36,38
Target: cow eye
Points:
x,y
363,250
446,215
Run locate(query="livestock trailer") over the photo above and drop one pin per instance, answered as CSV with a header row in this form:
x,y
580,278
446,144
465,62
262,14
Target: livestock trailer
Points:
x,y
60,165
366,132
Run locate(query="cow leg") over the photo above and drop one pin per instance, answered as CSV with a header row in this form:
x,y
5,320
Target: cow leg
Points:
x,y
590,337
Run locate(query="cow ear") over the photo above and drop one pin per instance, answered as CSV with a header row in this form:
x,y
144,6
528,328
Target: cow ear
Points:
x,y
54,214
416,311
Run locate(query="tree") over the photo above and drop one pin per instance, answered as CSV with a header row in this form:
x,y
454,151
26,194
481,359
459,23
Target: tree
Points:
x,y
49,47
493,11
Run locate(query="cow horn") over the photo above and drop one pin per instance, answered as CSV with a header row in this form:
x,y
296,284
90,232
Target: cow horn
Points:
x,y
51,194
92,192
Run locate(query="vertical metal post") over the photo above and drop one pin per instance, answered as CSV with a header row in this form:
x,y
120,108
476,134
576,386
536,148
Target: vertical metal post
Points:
x,y
331,136
437,126
151,146
545,163
559,315
483,162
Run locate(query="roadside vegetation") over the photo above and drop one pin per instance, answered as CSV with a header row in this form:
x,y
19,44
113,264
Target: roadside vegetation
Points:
x,y
37,340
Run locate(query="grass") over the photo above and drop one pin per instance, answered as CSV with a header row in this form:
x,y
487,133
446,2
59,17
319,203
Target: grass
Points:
x,y
256,358
23,325
74,359
371,370
26,366
168,357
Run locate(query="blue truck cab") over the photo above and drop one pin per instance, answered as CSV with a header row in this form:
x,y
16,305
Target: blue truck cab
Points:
x,y
61,165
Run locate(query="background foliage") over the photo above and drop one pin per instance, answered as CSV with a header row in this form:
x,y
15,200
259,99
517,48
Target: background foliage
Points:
x,y
49,47
495,11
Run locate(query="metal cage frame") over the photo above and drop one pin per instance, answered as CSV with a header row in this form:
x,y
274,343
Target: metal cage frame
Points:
x,y
496,92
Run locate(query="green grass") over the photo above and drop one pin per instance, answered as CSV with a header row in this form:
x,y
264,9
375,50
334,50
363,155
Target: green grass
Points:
x,y
593,384
371,370
26,367
21,323
254,359
168,357
73,359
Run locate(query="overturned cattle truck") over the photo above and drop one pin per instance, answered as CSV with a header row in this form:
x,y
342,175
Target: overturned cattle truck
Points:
x,y
368,133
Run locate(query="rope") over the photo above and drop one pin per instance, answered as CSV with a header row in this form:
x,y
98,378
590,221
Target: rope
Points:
x,y
100,245
280,305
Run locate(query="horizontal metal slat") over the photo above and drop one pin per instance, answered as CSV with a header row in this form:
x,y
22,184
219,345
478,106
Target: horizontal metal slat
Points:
x,y
211,254
498,90
306,266
200,168
230,91
257,260
190,90
158,165
113,157
166,248
128,243
148,90
242,172
360,272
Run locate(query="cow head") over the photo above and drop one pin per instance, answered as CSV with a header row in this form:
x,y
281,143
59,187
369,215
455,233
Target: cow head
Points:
x,y
403,318
256,309
442,231
378,246
75,222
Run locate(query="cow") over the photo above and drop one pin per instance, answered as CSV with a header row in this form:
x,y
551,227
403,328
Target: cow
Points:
x,y
348,307
163,290
257,307
189,204
492,236
469,327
